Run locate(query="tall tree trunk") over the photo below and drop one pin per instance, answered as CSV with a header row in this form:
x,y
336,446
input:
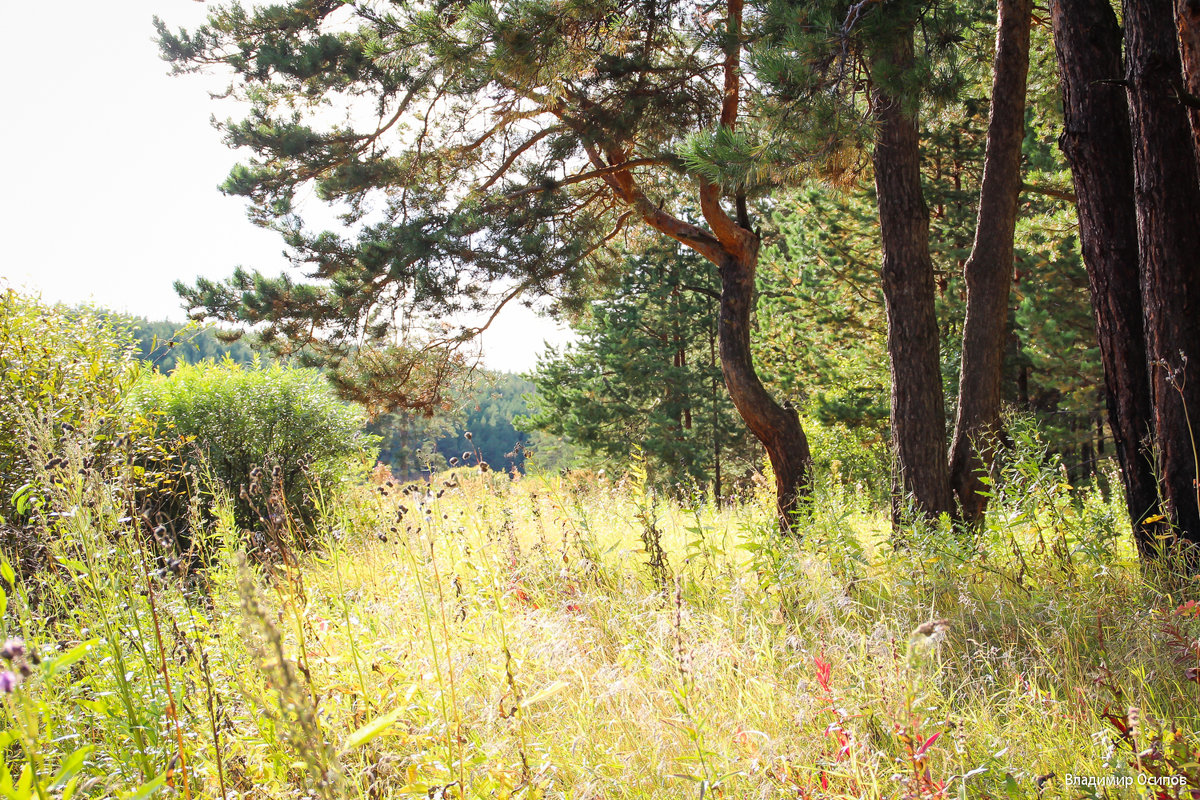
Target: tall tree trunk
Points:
x,y
989,269
777,427
1167,189
918,409
1096,142
1187,19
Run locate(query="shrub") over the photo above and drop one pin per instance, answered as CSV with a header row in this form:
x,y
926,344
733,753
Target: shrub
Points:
x,y
62,369
285,421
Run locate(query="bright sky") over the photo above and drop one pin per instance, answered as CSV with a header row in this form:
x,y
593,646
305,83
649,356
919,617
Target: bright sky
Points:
x,y
112,167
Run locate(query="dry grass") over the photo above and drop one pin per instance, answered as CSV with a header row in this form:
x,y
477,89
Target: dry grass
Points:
x,y
508,639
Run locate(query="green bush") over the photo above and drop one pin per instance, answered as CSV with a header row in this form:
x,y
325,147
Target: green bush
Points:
x,y
284,421
62,370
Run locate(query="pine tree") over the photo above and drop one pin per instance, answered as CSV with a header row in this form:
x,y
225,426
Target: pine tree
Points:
x,y
476,147
644,375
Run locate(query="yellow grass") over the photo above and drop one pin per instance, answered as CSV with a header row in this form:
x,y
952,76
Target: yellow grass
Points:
x,y
507,639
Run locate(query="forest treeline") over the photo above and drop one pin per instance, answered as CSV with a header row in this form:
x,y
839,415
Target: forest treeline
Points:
x,y
490,405
961,207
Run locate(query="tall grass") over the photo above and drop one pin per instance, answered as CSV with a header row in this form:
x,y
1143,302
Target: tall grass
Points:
x,y
558,637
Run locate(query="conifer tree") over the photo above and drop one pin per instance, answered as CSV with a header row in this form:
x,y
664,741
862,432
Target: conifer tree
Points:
x,y
1166,184
988,272
471,146
886,61
1096,142
645,376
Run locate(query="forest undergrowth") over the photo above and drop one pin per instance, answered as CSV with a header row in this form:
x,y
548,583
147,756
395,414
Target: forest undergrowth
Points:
x,y
582,637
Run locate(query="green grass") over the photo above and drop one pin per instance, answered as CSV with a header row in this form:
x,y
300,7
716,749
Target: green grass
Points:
x,y
509,639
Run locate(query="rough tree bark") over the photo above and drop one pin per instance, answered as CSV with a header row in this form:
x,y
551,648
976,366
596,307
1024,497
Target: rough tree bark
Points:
x,y
1096,142
989,269
1187,19
917,401
1167,191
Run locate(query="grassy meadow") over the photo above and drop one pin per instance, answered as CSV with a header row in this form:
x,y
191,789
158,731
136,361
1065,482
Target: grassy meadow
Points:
x,y
578,636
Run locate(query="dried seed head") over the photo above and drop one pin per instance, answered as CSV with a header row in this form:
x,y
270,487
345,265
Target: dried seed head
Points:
x,y
469,436
932,627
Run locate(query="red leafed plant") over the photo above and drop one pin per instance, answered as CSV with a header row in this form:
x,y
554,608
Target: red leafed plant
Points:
x,y
838,739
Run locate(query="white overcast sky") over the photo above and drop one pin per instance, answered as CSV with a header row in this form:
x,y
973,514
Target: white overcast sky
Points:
x,y
111,170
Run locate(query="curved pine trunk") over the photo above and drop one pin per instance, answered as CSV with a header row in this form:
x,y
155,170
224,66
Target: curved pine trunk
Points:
x,y
778,428
989,268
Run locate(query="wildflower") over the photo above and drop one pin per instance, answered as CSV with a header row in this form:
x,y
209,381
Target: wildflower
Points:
x,y
469,436
13,647
25,670
823,671
466,455
484,466
8,681
454,461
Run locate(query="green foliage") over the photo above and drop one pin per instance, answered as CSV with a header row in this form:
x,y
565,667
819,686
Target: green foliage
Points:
x,y
644,375
165,344
821,335
490,406
62,368
257,426
492,414
821,323
505,145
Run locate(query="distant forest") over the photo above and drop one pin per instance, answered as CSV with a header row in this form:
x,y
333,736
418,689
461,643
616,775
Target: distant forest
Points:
x,y
165,344
491,408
